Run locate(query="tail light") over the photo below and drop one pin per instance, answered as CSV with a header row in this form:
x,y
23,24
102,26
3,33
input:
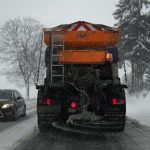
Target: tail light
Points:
x,y
47,101
117,101
73,105
114,101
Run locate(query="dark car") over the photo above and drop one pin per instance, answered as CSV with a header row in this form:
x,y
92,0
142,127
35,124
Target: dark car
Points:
x,y
12,105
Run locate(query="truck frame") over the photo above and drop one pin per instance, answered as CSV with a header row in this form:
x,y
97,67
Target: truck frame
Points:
x,y
81,76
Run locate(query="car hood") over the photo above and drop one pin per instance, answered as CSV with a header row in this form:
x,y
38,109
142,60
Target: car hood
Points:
x,y
5,101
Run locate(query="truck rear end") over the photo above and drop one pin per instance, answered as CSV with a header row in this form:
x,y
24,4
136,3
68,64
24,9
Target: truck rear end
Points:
x,y
82,76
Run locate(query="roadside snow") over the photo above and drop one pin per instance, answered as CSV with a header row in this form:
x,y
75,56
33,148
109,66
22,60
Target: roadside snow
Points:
x,y
139,108
13,136
16,134
30,103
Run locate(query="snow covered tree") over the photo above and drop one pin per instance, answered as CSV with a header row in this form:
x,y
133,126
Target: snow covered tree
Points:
x,y
133,19
20,43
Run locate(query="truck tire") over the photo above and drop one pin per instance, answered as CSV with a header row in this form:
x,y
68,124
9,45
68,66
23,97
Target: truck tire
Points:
x,y
43,126
121,128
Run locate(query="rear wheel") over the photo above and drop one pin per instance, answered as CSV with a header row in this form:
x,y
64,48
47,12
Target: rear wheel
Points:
x,y
121,125
43,126
121,128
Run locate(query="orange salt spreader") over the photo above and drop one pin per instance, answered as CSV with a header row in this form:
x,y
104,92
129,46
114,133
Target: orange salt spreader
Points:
x,y
84,43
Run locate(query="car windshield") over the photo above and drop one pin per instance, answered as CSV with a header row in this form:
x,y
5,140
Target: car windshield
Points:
x,y
5,94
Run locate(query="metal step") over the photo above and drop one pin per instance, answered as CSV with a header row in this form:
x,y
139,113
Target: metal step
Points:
x,y
57,85
57,41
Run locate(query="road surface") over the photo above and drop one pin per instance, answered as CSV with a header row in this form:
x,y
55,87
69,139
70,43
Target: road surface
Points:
x,y
135,137
24,135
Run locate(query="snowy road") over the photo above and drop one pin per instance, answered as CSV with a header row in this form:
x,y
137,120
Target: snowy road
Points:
x,y
24,135
135,137
13,132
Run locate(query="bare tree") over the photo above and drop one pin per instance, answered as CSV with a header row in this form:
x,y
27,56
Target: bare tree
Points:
x,y
20,43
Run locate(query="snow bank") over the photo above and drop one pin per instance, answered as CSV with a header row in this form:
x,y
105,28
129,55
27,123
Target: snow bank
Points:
x,y
17,134
13,136
139,108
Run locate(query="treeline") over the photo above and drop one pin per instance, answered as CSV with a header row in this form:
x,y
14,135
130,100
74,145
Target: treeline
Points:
x,y
20,46
133,18
21,39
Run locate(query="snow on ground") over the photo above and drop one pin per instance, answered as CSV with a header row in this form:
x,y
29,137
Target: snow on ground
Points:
x,y
21,130
15,135
30,103
139,108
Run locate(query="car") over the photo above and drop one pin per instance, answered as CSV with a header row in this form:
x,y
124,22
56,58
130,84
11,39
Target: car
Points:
x,y
12,105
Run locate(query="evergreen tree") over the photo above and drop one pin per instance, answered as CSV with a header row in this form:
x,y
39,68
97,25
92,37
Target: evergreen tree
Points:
x,y
134,45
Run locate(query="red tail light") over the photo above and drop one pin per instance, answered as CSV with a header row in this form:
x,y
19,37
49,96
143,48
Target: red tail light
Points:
x,y
117,101
47,101
114,101
73,105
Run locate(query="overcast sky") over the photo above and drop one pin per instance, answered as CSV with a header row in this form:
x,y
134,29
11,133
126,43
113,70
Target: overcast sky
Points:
x,y
55,12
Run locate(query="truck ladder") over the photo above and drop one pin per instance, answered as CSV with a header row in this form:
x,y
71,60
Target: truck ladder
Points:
x,y
57,69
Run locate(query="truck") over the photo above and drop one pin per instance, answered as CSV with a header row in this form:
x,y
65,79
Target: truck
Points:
x,y
82,83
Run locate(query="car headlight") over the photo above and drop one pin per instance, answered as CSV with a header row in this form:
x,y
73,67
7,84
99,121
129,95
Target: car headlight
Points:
x,y
7,105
